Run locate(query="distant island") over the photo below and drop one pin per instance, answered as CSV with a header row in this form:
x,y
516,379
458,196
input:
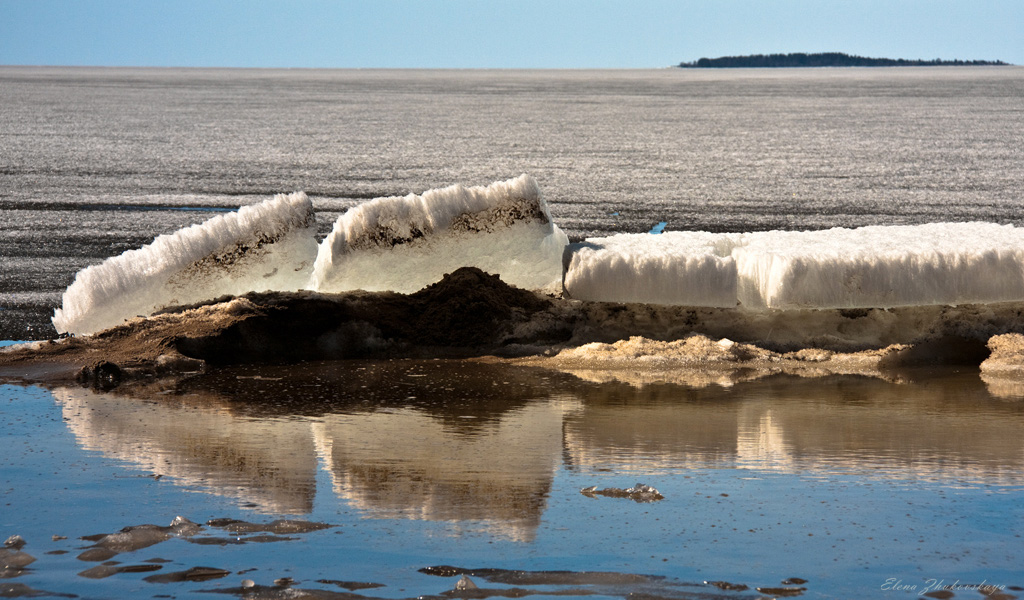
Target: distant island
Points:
x,y
825,59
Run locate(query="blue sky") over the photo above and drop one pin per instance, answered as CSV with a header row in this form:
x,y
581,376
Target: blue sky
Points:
x,y
495,33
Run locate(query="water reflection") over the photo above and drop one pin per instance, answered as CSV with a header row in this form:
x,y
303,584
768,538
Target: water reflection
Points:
x,y
199,442
938,425
455,441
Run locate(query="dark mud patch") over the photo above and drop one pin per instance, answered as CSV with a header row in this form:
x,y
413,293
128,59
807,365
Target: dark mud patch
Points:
x,y
20,590
465,588
351,585
467,313
727,586
193,574
14,562
510,577
280,526
638,493
253,591
573,584
238,541
782,592
103,571
135,537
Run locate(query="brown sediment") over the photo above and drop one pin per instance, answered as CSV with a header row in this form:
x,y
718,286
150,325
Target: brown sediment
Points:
x,y
1007,357
280,526
471,314
192,574
467,313
104,571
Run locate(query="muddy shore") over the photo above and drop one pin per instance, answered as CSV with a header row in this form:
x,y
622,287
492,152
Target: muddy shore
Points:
x,y
470,314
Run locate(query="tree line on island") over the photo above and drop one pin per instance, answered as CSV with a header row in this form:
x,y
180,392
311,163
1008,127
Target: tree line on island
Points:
x,y
825,59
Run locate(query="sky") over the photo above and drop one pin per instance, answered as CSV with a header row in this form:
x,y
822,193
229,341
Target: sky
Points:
x,y
570,34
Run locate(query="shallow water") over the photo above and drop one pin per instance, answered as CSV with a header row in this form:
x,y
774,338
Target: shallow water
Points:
x,y
847,482
99,161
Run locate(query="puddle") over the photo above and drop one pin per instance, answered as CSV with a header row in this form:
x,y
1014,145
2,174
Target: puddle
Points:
x,y
370,479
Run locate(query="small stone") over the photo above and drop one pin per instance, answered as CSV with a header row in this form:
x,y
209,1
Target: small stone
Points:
x,y
248,583
725,585
465,583
15,542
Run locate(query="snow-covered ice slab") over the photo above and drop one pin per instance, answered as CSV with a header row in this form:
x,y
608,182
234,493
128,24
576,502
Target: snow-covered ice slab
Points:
x,y
870,267
266,246
405,243
921,265
683,268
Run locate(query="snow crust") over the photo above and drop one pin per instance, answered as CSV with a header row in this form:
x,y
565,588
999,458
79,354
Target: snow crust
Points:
x,y
869,267
267,246
687,269
405,243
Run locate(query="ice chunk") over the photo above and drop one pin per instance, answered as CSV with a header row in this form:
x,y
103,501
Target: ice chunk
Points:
x,y
882,267
870,267
404,243
267,246
682,268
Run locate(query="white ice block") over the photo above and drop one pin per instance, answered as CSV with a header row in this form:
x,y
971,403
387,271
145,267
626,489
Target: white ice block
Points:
x,y
869,267
405,243
267,246
680,268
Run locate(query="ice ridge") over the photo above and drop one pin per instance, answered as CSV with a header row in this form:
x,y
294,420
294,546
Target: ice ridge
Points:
x,y
267,246
868,267
405,243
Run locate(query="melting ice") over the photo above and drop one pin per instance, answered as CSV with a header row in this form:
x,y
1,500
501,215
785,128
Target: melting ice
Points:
x,y
869,267
404,243
267,246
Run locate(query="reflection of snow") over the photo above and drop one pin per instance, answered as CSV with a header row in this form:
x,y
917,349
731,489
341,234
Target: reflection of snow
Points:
x,y
267,462
493,469
763,446
406,463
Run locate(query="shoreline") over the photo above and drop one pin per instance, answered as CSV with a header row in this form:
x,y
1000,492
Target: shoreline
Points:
x,y
472,315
